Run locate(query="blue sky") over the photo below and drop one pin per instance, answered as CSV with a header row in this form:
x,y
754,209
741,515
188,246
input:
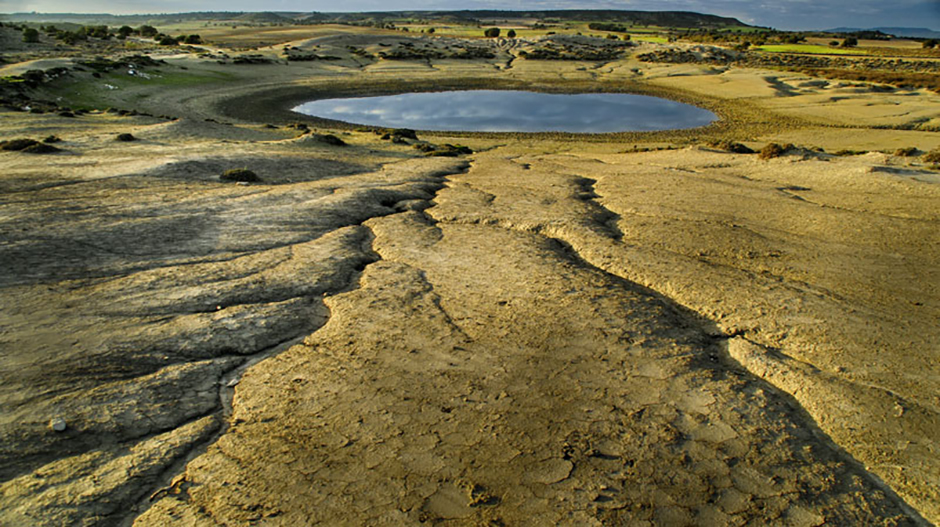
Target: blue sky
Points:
x,y
781,14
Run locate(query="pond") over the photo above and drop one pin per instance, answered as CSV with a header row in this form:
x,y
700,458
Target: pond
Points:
x,y
513,111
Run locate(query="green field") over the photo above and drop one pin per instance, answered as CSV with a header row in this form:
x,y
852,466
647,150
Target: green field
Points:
x,y
808,48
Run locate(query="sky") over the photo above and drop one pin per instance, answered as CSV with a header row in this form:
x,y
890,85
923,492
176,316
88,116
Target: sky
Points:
x,y
779,14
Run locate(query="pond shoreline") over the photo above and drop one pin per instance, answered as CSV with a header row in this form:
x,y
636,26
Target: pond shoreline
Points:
x,y
513,111
274,104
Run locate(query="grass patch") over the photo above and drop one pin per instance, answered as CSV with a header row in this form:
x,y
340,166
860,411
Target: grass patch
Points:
x,y
809,49
103,91
649,38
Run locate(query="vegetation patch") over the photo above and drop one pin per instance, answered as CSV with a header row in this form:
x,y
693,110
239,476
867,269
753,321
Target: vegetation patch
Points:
x,y
15,145
808,49
240,175
731,146
125,138
447,150
328,139
41,148
772,150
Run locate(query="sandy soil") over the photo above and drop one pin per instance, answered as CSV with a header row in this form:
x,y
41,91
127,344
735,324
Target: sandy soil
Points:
x,y
552,330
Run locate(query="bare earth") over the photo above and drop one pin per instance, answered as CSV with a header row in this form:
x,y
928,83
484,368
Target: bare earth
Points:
x,y
549,331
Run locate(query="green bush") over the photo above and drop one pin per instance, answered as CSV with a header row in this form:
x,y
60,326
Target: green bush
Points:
x,y
492,32
30,35
511,33
126,138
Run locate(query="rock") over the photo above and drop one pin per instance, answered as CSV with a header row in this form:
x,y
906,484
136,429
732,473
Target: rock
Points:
x,y
58,424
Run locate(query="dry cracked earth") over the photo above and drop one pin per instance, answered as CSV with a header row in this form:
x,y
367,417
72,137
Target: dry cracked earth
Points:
x,y
536,334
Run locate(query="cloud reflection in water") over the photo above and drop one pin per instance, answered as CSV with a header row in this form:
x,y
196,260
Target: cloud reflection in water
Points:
x,y
513,111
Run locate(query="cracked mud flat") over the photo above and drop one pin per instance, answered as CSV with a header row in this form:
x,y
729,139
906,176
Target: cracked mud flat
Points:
x,y
542,333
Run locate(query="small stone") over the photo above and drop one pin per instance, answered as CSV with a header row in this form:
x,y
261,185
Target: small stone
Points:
x,y
58,424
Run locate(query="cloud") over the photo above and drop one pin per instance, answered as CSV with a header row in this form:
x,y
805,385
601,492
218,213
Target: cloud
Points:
x,y
781,14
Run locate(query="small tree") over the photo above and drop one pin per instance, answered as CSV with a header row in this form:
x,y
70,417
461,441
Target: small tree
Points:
x,y
492,32
930,44
193,39
147,31
511,33
30,35
124,31
431,30
849,42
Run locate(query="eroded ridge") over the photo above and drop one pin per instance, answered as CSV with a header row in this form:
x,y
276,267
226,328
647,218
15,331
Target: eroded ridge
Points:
x,y
485,374
817,306
139,292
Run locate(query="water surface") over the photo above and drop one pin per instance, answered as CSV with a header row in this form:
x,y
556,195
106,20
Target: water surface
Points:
x,y
513,111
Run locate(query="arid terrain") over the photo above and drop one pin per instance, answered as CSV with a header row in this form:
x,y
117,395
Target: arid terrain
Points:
x,y
661,328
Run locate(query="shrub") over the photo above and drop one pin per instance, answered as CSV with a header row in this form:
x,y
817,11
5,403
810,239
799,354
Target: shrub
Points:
x,y
930,44
30,35
447,150
849,42
511,33
906,152
147,31
40,148
52,139
407,133
168,41
932,157
731,146
329,139
17,144
772,150
240,175
492,32
192,39
96,32
125,138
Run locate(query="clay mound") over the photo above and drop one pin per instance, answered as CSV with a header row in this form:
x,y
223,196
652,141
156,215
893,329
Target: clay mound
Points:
x,y
195,129
272,169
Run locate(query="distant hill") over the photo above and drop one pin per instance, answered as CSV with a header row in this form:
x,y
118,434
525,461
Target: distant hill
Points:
x,y
678,19
682,19
263,18
909,32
